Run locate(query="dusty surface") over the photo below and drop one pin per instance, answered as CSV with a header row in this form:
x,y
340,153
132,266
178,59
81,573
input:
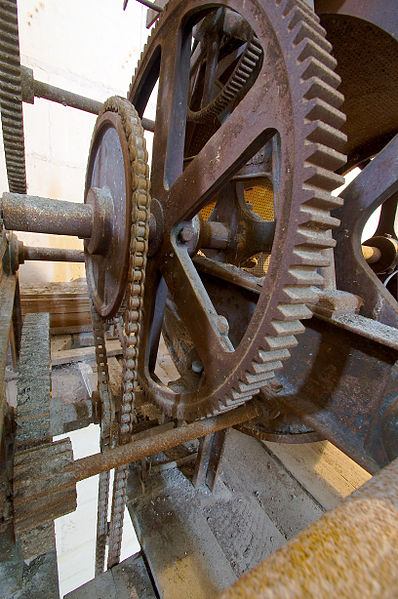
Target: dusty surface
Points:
x,y
198,542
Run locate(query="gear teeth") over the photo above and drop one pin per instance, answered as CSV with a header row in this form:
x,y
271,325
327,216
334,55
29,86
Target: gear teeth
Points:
x,y
311,67
315,239
318,89
288,327
260,368
322,177
319,110
281,342
310,50
306,275
310,257
300,295
239,397
301,17
254,387
11,98
324,157
320,219
266,356
293,312
305,8
302,31
322,199
322,133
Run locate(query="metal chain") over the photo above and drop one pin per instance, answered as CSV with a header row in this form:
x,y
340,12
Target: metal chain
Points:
x,y
107,419
139,234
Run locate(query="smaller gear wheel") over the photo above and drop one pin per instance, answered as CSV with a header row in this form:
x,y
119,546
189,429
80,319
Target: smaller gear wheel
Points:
x,y
117,181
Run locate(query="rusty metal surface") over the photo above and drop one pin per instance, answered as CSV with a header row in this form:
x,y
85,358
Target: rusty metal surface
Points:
x,y
133,451
345,390
221,151
10,97
7,291
44,215
350,552
34,382
32,88
364,38
43,489
50,254
377,183
211,449
109,166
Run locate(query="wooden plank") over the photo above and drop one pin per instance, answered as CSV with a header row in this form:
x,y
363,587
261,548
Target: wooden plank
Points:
x,y
324,471
70,330
67,304
80,354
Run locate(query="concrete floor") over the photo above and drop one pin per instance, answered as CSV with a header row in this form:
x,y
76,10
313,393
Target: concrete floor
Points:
x,y
197,542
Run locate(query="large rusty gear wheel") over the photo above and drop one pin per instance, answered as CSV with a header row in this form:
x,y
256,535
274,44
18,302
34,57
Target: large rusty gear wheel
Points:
x,y
294,101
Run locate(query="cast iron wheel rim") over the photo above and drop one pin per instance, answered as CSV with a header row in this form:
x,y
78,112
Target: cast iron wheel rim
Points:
x,y
106,273
308,155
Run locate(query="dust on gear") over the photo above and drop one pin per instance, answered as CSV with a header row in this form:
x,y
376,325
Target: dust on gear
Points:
x,y
294,94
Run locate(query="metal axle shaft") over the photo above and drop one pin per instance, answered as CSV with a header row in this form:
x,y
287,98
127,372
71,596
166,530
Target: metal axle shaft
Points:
x,y
135,450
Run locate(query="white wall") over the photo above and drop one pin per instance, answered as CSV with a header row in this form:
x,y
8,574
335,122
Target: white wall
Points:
x,y
90,47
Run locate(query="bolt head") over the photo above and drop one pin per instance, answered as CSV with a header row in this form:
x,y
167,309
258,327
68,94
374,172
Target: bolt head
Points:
x,y
197,366
186,234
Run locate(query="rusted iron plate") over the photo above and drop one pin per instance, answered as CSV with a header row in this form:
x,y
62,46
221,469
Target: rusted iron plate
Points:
x,y
341,384
109,167
367,31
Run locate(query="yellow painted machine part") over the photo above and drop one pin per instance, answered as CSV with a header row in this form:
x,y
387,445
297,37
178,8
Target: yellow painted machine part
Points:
x,y
258,193
349,553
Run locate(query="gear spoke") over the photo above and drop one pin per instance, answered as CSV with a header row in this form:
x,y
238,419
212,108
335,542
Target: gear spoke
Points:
x,y
237,140
207,328
169,139
277,81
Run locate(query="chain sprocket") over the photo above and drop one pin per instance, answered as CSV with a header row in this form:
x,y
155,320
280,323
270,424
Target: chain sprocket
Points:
x,y
132,303
297,85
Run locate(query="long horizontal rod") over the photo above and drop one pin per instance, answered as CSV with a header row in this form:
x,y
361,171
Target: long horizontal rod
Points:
x,y
52,254
136,450
32,88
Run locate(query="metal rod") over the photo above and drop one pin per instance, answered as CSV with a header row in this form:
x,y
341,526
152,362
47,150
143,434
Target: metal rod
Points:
x,y
135,450
51,254
42,215
371,254
32,88
61,96
148,4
